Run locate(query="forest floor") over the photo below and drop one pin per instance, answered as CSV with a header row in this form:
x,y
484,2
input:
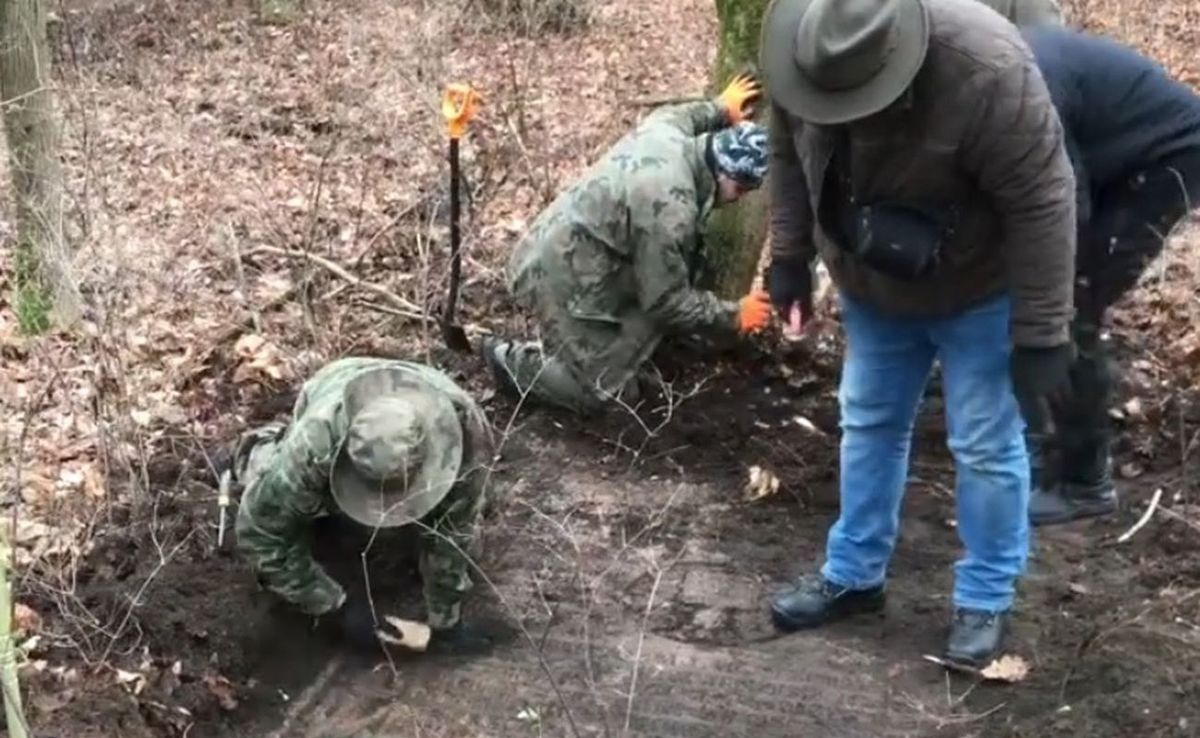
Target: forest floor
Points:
x,y
217,165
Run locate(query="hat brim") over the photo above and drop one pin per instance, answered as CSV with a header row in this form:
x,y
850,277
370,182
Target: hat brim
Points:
x,y
796,93
399,502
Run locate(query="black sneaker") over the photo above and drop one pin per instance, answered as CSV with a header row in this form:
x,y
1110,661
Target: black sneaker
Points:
x,y
814,601
976,637
490,348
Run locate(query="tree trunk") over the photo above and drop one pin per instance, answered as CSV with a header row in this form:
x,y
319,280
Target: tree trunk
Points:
x,y
736,233
14,715
45,287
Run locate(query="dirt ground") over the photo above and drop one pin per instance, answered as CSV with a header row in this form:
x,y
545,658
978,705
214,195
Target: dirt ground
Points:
x,y
634,566
624,554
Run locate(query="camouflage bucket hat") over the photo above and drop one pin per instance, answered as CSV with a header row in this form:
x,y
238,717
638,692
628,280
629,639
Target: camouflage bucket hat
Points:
x,y
401,453
835,61
740,152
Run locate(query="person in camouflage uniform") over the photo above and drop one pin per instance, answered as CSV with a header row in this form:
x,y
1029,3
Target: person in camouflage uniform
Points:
x,y
387,444
610,267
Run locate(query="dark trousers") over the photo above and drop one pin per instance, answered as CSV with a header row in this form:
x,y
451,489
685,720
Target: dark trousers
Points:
x,y
1131,219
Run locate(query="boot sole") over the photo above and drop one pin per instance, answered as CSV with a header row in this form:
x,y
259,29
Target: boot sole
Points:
x,y
967,664
790,623
1078,514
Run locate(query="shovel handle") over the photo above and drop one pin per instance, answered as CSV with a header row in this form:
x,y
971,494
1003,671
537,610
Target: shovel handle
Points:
x,y
455,233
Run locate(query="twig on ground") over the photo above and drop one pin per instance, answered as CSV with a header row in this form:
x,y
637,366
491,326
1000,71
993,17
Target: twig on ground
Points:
x,y
637,656
395,221
470,328
339,271
1097,635
240,272
524,631
1180,518
164,559
654,102
308,697
1141,523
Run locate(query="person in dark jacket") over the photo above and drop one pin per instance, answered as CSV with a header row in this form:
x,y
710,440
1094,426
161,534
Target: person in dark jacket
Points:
x,y
948,227
1133,136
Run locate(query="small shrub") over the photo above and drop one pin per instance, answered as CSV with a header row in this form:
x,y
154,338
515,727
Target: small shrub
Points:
x,y
531,17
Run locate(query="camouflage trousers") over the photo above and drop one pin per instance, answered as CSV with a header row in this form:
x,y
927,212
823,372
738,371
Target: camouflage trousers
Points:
x,y
580,365
447,534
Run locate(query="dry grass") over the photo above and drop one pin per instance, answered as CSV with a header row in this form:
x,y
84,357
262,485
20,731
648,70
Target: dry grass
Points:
x,y
198,144
197,139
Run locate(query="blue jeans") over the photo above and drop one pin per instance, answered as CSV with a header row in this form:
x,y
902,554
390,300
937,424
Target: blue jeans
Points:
x,y
888,361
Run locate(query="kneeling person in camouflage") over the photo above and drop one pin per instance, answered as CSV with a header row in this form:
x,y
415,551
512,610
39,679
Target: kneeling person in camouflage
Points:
x,y
611,266
387,444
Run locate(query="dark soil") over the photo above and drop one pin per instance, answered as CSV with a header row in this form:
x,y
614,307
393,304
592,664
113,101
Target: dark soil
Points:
x,y
613,549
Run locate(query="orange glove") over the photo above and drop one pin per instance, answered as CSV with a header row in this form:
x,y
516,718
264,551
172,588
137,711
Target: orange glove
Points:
x,y
739,97
754,312
459,104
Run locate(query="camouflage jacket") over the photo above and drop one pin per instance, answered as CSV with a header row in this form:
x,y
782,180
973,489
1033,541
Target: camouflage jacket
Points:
x,y
289,486
623,244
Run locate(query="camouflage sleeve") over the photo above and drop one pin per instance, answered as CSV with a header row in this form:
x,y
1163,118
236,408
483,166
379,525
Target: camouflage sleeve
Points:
x,y
691,118
447,539
275,516
665,237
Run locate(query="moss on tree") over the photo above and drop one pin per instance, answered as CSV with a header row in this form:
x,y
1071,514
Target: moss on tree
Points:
x,y
45,289
736,233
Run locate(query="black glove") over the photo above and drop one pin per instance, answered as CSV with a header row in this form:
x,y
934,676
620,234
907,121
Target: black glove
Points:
x,y
354,624
789,282
464,640
1041,373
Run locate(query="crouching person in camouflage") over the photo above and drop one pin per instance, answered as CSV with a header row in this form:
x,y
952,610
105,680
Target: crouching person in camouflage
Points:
x,y
610,267
387,444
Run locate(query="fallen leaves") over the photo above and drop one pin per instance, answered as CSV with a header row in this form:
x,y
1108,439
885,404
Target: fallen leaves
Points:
x,y
762,483
1007,668
133,682
808,425
26,619
260,359
38,541
223,690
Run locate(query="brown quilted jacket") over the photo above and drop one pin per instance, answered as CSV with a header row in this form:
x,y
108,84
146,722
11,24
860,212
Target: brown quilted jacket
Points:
x,y
1028,12
978,136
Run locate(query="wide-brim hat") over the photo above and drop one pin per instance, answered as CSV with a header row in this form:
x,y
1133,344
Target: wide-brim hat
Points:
x,y
823,70
436,456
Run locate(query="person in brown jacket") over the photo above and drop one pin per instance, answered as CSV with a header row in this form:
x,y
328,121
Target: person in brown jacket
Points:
x,y
1028,12
916,150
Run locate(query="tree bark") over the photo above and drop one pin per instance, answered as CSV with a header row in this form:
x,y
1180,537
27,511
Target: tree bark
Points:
x,y
45,287
736,233
14,714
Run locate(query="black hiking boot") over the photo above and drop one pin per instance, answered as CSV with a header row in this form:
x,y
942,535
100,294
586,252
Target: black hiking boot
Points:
x,y
1084,485
975,637
490,349
1086,490
813,601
